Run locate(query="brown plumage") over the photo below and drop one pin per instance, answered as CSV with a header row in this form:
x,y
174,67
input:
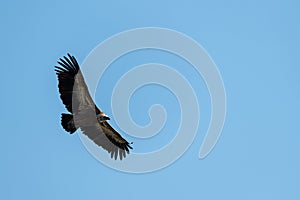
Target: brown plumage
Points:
x,y
85,114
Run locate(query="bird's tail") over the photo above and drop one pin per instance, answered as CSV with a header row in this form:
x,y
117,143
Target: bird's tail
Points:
x,y
67,123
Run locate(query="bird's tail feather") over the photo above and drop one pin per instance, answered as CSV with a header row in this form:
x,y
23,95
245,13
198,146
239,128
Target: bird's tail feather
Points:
x,y
67,123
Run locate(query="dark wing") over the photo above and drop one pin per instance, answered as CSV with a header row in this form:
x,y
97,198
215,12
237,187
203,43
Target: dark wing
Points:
x,y
115,138
75,96
103,134
67,72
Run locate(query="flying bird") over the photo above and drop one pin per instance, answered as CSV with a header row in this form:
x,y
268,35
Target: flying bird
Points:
x,y
84,113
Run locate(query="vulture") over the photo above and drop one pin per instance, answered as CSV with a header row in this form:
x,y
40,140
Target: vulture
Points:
x,y
84,114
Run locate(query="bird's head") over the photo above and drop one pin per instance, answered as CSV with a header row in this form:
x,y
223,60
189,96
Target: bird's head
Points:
x,y
103,117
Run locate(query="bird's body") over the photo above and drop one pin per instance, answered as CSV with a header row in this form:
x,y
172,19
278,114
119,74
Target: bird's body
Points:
x,y
84,113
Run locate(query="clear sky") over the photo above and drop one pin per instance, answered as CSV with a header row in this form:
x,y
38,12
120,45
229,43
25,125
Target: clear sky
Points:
x,y
255,45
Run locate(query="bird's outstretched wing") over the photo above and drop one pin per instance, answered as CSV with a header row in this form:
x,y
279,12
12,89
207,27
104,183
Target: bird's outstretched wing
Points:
x,y
75,96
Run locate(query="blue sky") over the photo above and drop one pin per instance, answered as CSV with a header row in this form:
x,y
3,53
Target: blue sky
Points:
x,y
255,45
